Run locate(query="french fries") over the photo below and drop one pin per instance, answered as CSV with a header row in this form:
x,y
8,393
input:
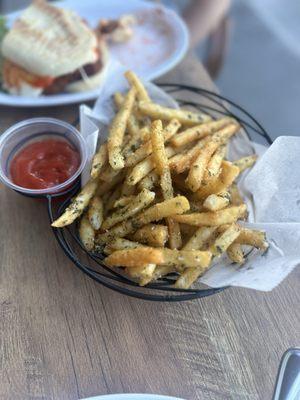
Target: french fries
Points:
x,y
163,197
117,131
95,212
86,233
185,117
142,200
199,166
226,216
153,235
77,206
245,162
99,161
215,202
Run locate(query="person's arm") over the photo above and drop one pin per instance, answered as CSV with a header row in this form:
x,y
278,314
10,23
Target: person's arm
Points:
x,y
203,16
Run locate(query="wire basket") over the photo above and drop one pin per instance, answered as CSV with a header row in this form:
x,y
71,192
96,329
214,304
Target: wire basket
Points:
x,y
92,263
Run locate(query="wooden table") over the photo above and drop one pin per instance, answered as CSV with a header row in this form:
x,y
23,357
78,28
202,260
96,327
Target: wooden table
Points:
x,y
62,336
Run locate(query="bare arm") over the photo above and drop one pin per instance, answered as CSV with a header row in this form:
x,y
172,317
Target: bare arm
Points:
x,y
202,17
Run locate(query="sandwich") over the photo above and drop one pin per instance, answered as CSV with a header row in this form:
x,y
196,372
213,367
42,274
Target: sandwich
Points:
x,y
51,50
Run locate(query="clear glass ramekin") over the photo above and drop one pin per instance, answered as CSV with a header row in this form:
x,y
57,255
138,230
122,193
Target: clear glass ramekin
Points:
x,y
32,130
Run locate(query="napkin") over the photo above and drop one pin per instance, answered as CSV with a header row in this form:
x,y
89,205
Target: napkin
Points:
x,y
271,190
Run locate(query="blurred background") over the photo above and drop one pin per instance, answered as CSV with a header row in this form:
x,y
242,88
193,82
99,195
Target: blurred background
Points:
x,y
252,51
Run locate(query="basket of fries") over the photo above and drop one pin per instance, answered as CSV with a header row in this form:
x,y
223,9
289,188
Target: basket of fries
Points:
x,y
162,204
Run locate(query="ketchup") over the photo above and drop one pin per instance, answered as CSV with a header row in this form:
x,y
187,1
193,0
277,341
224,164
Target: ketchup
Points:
x,y
44,164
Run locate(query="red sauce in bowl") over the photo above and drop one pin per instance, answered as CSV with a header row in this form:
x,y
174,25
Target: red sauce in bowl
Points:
x,y
44,164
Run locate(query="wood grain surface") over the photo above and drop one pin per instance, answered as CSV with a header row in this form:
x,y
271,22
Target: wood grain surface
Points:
x,y
62,336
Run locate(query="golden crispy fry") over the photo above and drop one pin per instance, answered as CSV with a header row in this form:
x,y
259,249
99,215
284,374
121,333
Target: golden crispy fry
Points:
x,y
221,217
86,233
99,161
77,206
199,131
216,202
142,273
146,149
200,238
142,200
253,238
123,201
161,164
198,167
143,168
120,244
149,181
95,212
186,258
189,276
159,272
133,126
135,82
224,134
245,162
177,205
235,253
225,239
152,234
117,131
221,183
127,190
214,166
135,257
235,196
183,160
185,117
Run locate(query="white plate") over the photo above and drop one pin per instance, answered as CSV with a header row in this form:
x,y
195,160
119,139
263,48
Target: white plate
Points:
x,y
129,396
158,46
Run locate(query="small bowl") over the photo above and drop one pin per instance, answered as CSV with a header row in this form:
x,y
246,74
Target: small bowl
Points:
x,y
32,130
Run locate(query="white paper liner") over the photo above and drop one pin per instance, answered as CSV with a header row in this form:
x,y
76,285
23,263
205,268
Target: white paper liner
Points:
x,y
271,190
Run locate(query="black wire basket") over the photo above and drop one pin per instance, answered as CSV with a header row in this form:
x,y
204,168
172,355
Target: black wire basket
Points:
x,y
92,263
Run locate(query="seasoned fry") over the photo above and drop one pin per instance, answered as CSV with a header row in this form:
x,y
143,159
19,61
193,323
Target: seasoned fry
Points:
x,y
225,239
221,217
143,273
235,196
185,117
108,174
105,187
110,202
253,238
143,168
135,82
99,161
133,126
135,257
161,164
117,131
95,212
200,238
86,233
177,205
146,149
186,258
77,206
221,183
151,234
199,131
142,200
159,272
235,253
182,161
216,202
198,167
123,201
245,162
214,165
189,276
224,134
149,181
120,244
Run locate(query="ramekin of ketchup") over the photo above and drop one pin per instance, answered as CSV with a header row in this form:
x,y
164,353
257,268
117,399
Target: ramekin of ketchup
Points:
x,y
41,156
